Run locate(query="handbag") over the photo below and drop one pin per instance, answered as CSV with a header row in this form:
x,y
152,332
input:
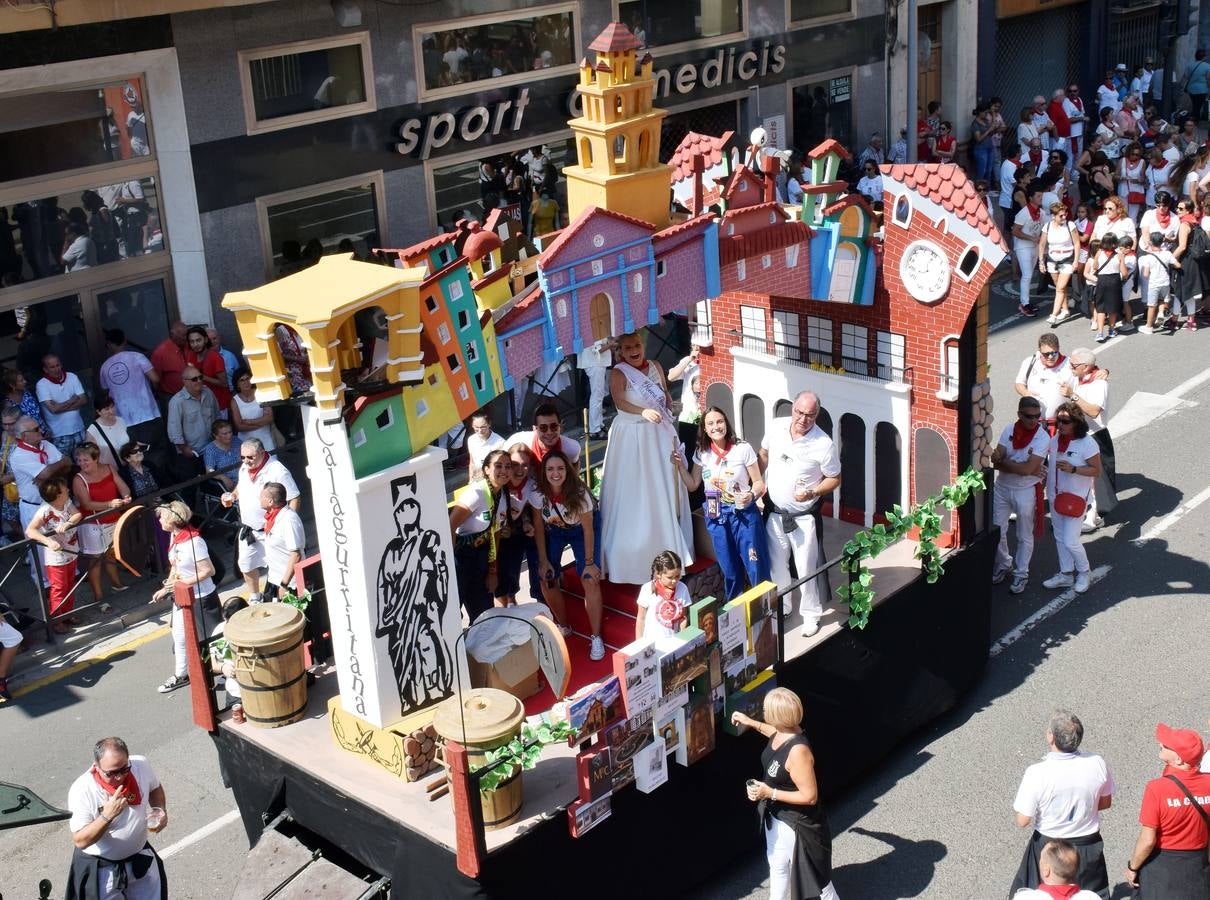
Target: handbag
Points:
x,y
1070,505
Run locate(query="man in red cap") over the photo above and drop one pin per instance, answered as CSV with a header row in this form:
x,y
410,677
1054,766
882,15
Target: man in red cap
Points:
x,y
1169,858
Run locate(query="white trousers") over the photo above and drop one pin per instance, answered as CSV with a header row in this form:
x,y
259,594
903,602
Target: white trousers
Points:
x,y
145,888
803,546
179,658
1005,502
1072,556
779,850
1027,259
597,386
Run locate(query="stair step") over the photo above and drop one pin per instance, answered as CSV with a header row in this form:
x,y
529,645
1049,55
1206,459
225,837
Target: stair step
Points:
x,y
617,629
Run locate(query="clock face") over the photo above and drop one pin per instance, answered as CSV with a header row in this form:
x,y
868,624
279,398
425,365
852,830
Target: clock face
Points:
x,y
925,271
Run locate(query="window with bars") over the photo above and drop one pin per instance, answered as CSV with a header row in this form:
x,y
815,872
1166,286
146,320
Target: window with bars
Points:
x,y
700,331
819,340
855,349
752,328
786,340
890,356
949,371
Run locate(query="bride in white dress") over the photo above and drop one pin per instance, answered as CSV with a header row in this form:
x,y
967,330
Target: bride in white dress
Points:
x,y
644,504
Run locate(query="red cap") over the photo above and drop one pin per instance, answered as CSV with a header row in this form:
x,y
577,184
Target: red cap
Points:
x,y
1183,742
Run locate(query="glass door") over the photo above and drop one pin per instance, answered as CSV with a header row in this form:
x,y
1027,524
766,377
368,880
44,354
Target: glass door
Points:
x,y
140,310
52,326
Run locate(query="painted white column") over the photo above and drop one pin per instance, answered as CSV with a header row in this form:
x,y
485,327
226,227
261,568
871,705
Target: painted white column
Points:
x,y
388,565
870,429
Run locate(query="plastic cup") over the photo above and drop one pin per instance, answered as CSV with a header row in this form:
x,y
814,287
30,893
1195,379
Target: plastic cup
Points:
x,y
155,817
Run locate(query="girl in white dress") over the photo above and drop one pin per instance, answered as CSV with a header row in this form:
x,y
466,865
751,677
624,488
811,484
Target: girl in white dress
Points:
x,y
644,504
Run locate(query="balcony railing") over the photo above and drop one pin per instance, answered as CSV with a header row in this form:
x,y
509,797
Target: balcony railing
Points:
x,y
701,334
795,355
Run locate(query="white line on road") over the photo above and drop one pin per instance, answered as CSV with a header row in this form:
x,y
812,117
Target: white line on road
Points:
x,y
1172,518
1044,613
1186,386
203,832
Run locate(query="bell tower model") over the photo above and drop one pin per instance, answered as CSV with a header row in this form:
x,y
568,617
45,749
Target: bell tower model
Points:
x,y
618,136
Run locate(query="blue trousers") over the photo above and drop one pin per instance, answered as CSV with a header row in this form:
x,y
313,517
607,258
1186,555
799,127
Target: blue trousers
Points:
x,y
740,547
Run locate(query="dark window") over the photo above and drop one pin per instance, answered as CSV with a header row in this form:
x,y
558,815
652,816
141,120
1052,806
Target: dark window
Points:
x,y
888,459
290,84
460,55
430,303
852,468
657,22
452,362
969,262
383,419
464,320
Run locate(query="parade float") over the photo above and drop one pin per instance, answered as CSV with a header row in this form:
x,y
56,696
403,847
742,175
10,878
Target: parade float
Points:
x,y
554,767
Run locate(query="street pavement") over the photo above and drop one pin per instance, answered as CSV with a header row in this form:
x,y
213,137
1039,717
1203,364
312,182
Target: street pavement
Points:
x,y
935,818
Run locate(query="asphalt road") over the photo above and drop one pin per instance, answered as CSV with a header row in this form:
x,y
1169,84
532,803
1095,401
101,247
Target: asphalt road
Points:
x,y
935,819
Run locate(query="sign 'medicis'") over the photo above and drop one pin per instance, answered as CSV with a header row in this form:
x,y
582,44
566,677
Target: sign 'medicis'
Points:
x,y
726,66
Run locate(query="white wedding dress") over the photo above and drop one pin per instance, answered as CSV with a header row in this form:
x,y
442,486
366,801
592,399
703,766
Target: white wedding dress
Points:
x,y
639,498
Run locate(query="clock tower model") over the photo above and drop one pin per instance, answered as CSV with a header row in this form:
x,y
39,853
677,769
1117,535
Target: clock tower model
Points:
x,y
618,136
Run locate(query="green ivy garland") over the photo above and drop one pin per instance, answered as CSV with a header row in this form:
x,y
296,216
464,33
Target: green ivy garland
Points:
x,y
521,752
866,545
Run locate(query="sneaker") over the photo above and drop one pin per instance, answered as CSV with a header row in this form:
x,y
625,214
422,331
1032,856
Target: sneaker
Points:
x,y
1173,323
172,682
1090,525
1146,329
1114,332
1018,585
565,631
597,650
1082,583
1101,337
1052,321
1092,325
809,627
1027,312
1060,580
1191,324
1126,327
999,574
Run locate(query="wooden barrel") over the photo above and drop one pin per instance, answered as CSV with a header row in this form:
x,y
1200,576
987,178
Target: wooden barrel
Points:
x,y
267,641
481,720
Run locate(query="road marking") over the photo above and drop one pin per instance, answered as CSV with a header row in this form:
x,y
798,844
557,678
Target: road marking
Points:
x,y
1186,386
1172,518
91,661
1044,613
1143,408
204,832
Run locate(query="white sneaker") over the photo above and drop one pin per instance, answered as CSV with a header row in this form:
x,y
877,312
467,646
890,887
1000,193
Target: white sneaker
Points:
x,y
1082,583
1060,580
1088,526
1051,320
1018,585
597,650
809,627
999,574
1146,329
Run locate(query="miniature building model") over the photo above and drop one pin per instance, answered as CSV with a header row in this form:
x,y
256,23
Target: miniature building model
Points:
x,y
618,136
319,304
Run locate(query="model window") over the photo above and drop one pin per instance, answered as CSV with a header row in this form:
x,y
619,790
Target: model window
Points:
x,y
819,340
658,23
461,54
699,326
752,328
305,82
890,356
855,349
969,263
464,319
304,226
786,340
472,353
808,10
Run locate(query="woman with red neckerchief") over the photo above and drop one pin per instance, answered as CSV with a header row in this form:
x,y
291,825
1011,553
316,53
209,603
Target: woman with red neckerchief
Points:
x,y
1132,180
476,519
1075,465
1187,288
730,472
1027,231
188,563
516,544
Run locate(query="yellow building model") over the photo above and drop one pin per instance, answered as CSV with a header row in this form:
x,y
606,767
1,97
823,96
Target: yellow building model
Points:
x,y
317,306
618,136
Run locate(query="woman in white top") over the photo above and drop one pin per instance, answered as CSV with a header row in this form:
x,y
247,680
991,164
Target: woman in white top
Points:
x,y
1132,180
108,432
251,420
189,564
728,467
1159,175
1075,464
1109,135
1057,255
516,540
1026,130
475,519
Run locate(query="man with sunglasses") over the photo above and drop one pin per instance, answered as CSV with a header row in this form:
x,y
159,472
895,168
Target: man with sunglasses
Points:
x,y
547,435
1018,459
257,469
1043,375
33,461
113,807
191,413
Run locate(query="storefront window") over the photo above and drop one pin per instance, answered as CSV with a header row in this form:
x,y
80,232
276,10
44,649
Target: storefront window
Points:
x,y
805,10
462,54
140,310
471,189
307,82
302,228
56,131
54,235
823,109
657,22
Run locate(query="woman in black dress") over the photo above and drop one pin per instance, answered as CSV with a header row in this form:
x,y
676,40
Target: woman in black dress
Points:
x,y
798,840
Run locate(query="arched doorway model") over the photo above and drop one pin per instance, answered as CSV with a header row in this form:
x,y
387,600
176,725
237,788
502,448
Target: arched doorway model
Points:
x,y
852,469
932,470
888,468
600,317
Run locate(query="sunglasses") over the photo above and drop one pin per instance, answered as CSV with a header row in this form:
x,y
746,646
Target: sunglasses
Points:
x,y
554,426
1049,354
194,378
115,773
1036,415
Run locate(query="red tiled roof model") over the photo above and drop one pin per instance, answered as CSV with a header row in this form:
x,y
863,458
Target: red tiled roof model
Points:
x,y
948,187
682,227
830,146
527,300
772,237
616,38
712,148
480,242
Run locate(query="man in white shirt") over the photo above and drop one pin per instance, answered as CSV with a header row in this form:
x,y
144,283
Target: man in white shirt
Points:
x,y
801,467
1062,797
32,461
1027,231
547,434
257,468
111,814
62,397
481,441
131,380
1041,121
1058,866
1018,459
285,539
595,359
1073,105
1043,375
1091,392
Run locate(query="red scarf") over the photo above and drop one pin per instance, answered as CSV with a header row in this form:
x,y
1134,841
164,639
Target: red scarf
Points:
x,y
1162,217
668,611
62,378
1190,219
270,516
1035,212
719,457
128,786
1089,375
1059,891
253,472
42,455
1021,436
1054,365
1063,443
646,364
187,533
539,449
1035,157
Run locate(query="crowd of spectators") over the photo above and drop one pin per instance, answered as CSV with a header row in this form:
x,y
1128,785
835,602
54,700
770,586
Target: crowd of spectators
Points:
x,y
462,55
